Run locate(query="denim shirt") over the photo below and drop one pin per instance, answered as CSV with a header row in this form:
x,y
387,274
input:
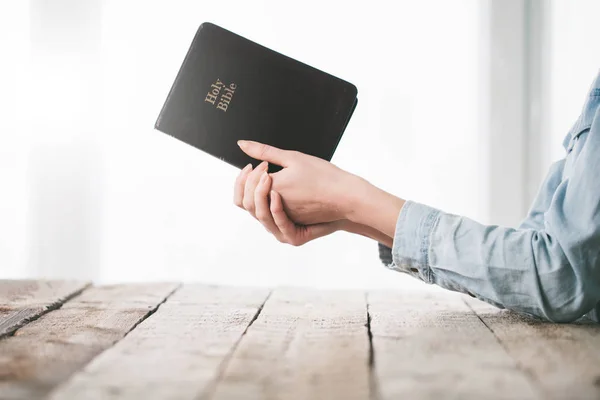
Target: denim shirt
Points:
x,y
548,266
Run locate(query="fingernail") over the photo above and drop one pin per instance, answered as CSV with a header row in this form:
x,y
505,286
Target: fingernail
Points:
x,y
264,164
247,168
263,178
241,143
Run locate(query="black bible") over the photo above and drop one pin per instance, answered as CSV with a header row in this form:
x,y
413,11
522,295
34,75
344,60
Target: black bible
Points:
x,y
230,88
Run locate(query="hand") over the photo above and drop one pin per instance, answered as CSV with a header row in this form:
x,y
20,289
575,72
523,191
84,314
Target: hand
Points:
x,y
312,190
252,192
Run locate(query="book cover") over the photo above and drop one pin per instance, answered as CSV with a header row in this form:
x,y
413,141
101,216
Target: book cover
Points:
x,y
230,88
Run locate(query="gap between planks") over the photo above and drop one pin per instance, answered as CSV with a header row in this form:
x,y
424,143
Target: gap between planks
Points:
x,y
373,387
561,359
305,344
312,344
151,312
456,345
24,301
46,352
428,344
177,352
211,387
519,365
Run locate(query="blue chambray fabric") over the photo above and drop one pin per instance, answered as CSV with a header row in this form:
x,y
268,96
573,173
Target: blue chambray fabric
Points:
x,y
548,266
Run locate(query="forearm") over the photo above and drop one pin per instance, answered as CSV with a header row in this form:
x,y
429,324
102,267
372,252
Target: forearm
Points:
x,y
538,272
369,232
523,270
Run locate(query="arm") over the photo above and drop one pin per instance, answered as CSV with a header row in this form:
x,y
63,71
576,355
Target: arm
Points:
x,y
549,270
367,231
550,267
535,216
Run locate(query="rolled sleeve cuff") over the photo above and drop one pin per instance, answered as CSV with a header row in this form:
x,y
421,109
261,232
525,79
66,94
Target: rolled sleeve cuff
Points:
x,y
414,227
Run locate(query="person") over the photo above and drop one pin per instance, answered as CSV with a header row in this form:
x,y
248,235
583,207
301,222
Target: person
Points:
x,y
547,267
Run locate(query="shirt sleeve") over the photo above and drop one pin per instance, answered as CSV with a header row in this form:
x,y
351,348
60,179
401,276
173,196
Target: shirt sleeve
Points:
x,y
549,267
385,254
535,216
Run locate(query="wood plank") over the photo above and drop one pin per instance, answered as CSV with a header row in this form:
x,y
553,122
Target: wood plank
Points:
x,y
305,344
563,359
429,344
22,301
177,353
47,351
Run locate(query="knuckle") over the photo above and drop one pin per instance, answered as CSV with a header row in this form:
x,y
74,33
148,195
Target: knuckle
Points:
x,y
265,150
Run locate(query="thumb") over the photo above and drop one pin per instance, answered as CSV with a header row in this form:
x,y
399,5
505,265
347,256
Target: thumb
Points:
x,y
264,152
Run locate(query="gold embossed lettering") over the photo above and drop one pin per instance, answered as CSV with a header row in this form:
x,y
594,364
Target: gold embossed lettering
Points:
x,y
228,95
223,106
210,98
220,95
215,89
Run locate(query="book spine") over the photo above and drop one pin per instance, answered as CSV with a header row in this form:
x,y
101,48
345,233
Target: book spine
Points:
x,y
185,61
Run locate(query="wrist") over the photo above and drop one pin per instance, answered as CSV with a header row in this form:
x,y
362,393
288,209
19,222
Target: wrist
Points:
x,y
357,199
362,199
357,229
348,226
368,205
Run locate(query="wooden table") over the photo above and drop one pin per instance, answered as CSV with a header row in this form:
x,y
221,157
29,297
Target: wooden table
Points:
x,y
72,340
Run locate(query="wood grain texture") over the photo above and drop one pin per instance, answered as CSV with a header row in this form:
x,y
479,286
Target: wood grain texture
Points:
x,y
429,344
22,301
562,359
209,342
177,353
305,344
47,351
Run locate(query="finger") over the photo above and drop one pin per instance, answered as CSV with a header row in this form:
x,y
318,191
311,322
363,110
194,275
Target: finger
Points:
x,y
250,187
265,152
240,183
261,202
286,226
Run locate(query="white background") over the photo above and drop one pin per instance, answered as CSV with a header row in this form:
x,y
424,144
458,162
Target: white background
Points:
x,y
574,62
90,190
